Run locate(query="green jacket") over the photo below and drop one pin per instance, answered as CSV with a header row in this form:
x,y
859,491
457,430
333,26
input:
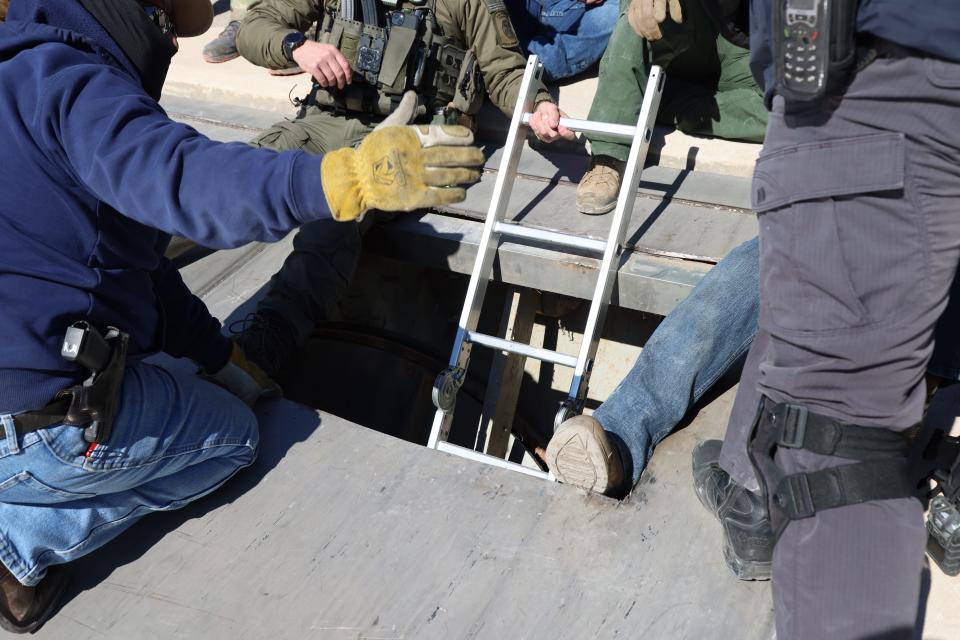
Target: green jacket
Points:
x,y
470,21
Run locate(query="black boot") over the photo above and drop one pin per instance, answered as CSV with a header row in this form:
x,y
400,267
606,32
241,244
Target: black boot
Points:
x,y
24,609
224,46
747,536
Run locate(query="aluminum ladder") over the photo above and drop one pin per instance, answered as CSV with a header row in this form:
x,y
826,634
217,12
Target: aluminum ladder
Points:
x,y
496,227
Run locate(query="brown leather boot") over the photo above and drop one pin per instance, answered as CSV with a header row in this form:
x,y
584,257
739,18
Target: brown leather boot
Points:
x,y
600,186
580,453
24,609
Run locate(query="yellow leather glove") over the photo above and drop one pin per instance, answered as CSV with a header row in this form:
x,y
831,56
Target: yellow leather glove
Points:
x,y
645,16
244,379
401,168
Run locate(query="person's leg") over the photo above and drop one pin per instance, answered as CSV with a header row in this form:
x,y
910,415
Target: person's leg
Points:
x,y
731,108
693,347
565,53
176,438
623,73
224,46
687,53
945,361
309,285
859,246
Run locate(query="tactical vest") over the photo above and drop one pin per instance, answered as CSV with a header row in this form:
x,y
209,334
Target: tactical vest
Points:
x,y
409,53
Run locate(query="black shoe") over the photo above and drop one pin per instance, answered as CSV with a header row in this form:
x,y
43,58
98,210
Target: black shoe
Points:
x,y
267,339
24,609
224,46
747,536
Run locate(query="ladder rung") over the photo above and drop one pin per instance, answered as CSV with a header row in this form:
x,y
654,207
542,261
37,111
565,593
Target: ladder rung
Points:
x,y
521,349
623,131
476,456
551,237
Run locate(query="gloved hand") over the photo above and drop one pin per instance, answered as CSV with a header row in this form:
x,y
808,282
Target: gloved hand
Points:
x,y
405,113
400,168
645,16
244,379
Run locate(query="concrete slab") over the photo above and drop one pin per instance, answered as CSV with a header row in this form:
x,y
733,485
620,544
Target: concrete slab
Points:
x,y
339,532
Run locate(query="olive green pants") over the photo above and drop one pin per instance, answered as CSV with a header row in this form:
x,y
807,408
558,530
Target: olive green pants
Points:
x,y
709,89
313,278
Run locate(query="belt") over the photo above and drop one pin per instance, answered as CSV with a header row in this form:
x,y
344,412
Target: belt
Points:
x,y
53,413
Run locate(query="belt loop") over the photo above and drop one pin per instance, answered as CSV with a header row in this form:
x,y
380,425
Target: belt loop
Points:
x,y
11,432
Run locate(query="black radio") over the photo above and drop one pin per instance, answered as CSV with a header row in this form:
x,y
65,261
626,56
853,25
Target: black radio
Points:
x,y
802,40
814,47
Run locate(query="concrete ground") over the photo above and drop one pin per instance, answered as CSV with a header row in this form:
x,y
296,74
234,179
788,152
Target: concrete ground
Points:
x,y
239,84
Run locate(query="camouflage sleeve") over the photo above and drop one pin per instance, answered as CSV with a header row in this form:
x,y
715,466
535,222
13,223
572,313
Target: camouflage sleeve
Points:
x,y
485,27
267,22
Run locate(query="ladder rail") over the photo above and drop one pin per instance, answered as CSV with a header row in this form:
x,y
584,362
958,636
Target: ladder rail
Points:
x,y
487,251
526,350
486,458
624,132
497,228
555,238
618,228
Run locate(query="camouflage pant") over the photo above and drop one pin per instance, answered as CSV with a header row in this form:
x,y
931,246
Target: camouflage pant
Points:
x,y
308,287
709,89
316,130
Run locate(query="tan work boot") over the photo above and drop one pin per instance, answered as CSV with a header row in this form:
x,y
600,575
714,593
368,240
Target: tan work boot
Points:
x,y
23,609
598,189
581,454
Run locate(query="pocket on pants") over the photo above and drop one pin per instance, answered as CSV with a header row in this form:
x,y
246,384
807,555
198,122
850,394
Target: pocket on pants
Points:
x,y
283,136
837,233
942,73
24,488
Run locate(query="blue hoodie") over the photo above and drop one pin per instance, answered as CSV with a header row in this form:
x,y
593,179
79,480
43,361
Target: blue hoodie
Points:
x,y
95,178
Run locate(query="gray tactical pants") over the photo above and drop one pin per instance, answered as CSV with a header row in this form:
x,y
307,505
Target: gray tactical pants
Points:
x,y
859,211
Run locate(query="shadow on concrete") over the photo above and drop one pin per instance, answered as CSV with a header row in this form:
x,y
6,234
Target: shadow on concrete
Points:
x,y
283,424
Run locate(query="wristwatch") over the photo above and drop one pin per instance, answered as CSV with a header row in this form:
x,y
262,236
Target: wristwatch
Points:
x,y
291,42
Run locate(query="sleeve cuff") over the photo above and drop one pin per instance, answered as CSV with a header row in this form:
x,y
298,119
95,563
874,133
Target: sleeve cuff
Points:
x,y
306,188
215,353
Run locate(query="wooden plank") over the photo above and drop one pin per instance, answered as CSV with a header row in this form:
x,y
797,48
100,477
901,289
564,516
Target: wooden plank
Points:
x,y
506,373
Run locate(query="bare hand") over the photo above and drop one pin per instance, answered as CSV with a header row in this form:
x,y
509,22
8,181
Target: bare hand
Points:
x,y
545,123
325,63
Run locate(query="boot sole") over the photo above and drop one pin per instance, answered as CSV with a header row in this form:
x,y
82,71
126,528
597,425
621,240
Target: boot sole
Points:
x,y
219,60
744,570
579,460
596,211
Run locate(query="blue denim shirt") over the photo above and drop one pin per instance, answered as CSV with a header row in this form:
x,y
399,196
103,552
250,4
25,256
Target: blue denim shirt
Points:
x,y
561,16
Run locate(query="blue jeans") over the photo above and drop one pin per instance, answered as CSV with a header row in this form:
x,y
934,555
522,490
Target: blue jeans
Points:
x,y
566,35
176,438
691,349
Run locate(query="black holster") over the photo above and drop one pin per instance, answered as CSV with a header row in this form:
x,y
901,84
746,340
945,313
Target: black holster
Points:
x,y
880,467
94,401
